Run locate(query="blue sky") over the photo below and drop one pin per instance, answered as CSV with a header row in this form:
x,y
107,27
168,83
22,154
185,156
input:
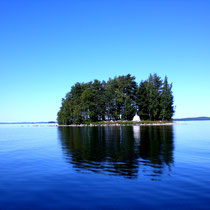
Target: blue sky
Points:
x,y
47,46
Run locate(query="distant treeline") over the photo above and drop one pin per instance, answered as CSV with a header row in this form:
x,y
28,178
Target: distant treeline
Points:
x,y
192,119
117,99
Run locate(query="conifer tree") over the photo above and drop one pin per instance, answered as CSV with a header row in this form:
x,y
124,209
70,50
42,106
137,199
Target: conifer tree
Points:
x,y
154,92
142,100
166,102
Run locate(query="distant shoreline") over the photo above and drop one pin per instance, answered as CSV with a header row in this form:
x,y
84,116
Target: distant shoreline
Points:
x,y
26,123
192,119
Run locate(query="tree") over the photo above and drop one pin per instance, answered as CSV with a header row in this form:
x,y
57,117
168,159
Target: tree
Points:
x,y
166,101
98,99
142,100
148,98
118,91
129,109
154,92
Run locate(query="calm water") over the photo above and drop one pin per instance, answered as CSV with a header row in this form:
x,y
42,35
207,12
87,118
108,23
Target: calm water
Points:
x,y
43,167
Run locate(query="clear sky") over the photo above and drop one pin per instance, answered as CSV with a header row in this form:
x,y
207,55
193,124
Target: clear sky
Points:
x,y
48,45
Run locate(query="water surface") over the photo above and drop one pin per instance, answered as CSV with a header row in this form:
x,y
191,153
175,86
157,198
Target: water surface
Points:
x,y
128,167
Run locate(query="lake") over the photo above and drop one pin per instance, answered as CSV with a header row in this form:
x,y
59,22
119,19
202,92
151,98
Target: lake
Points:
x,y
128,167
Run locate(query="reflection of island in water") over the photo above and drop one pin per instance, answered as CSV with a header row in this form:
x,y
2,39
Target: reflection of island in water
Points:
x,y
124,151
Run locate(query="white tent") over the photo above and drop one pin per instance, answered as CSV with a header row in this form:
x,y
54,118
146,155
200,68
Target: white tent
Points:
x,y
136,118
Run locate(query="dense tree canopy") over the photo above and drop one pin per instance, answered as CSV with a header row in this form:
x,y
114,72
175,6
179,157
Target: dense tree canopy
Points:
x,y
117,99
154,99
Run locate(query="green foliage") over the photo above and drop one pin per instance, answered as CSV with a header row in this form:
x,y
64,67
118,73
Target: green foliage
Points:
x,y
121,93
166,101
142,100
154,99
129,109
153,89
118,99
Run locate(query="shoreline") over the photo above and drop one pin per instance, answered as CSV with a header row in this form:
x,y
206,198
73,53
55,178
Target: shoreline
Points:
x,y
99,124
119,124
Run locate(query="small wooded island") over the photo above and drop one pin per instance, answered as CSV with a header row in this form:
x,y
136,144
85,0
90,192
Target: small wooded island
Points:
x,y
118,99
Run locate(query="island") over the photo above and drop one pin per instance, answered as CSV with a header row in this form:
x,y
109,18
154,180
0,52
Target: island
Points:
x,y
117,101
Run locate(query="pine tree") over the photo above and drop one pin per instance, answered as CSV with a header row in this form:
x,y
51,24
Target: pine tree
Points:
x,y
166,102
154,92
129,109
148,98
142,100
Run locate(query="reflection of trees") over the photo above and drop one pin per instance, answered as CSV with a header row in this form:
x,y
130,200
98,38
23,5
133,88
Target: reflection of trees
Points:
x,y
117,150
156,147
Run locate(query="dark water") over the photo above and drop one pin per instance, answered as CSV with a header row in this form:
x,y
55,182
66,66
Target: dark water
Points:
x,y
150,167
